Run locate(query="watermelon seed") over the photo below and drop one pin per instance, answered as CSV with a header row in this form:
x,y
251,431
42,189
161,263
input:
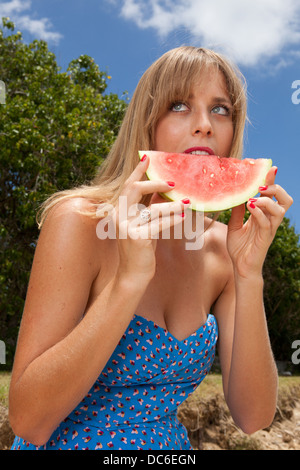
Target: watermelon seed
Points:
x,y
204,170
169,160
212,175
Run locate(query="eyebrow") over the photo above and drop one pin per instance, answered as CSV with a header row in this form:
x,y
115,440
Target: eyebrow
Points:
x,y
222,99
217,99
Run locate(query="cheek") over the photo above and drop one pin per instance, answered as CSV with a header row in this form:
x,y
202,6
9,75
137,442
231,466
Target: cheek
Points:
x,y
166,135
227,139
161,136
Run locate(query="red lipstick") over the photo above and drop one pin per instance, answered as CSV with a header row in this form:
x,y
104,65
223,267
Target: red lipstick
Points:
x,y
200,149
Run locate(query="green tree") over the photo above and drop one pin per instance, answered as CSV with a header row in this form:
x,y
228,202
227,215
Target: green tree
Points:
x,y
282,290
55,130
281,273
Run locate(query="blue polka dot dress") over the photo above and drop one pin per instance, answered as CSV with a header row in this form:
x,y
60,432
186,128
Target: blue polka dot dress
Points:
x,y
133,403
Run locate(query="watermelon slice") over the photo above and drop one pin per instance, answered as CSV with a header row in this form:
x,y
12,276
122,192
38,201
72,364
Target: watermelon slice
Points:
x,y
211,183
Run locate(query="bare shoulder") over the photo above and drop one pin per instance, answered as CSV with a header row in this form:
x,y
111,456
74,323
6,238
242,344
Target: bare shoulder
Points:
x,y
69,228
71,212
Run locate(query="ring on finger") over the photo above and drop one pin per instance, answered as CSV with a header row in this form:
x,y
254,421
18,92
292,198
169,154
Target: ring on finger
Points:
x,y
145,215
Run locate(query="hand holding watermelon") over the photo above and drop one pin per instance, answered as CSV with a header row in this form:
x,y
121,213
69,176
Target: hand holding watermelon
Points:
x,y
137,238
248,243
215,184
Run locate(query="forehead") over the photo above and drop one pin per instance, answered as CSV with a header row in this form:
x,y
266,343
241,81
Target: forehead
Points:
x,y
205,78
210,83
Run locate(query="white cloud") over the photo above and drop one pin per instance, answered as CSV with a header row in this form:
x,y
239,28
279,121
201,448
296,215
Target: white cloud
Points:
x,y
40,28
249,31
14,6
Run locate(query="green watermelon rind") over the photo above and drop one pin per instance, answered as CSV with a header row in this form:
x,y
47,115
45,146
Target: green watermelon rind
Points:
x,y
212,206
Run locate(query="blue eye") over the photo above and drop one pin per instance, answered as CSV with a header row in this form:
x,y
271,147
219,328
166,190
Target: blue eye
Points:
x,y
221,109
177,107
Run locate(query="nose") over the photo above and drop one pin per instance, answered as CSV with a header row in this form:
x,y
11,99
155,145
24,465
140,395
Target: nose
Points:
x,y
202,124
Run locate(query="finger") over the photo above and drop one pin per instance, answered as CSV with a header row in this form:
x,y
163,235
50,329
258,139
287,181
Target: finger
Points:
x,y
270,178
137,189
157,210
258,214
237,218
167,222
158,225
275,190
268,213
268,206
139,170
168,209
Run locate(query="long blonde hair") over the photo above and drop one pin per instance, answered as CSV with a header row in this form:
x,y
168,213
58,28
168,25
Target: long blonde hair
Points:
x,y
166,81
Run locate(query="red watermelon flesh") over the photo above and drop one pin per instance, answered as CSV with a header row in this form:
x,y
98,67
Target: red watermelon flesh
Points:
x,y
211,183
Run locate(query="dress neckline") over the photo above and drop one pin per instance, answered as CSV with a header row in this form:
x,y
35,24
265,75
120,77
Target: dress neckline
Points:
x,y
209,317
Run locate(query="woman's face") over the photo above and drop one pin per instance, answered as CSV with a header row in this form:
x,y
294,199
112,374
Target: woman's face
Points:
x,y
202,124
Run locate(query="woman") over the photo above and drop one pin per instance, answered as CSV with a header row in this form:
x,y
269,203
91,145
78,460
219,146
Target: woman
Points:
x,y
117,332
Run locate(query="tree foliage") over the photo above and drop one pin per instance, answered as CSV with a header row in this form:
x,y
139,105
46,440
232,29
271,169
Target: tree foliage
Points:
x,y
282,290
55,129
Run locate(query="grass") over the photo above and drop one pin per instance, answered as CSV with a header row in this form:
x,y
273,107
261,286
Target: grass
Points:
x,y
293,381
213,384
4,387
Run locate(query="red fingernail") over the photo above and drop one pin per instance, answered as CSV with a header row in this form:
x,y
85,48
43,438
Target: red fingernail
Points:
x,y
252,200
171,183
276,171
186,201
182,214
252,205
263,188
143,158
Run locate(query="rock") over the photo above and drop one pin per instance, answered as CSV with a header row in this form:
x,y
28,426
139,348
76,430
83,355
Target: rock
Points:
x,y
6,433
210,426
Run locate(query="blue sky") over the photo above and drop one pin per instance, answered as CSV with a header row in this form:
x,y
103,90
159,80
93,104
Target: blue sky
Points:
x,y
126,36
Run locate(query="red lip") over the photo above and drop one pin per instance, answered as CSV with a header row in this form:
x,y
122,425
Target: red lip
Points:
x,y
201,149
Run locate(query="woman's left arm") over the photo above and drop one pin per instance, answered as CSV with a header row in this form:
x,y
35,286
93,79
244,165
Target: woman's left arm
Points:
x,y
248,367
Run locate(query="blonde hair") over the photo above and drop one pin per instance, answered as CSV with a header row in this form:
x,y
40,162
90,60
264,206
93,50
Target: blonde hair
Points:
x,y
166,81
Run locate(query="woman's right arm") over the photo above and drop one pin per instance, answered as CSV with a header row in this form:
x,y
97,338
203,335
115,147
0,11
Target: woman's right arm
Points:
x,y
63,345
60,354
